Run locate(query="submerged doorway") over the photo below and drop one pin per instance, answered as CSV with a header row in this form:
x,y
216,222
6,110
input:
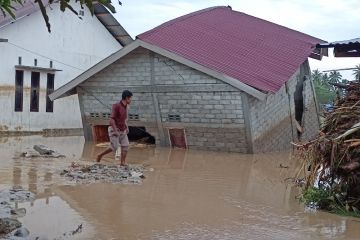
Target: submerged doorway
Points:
x,y
136,134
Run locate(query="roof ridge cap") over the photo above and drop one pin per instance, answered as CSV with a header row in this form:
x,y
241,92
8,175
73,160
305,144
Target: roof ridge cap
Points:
x,y
181,18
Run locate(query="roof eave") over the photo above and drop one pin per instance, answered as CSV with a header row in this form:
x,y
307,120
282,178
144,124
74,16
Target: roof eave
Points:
x,y
61,92
112,25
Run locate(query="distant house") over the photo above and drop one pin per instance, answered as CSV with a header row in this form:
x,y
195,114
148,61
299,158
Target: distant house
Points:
x,y
214,79
34,62
346,48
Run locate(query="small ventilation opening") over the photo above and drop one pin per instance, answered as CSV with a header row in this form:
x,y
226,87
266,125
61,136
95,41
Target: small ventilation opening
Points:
x,y
134,117
174,118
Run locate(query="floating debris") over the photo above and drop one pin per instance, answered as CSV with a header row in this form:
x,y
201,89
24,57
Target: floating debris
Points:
x,y
332,159
86,174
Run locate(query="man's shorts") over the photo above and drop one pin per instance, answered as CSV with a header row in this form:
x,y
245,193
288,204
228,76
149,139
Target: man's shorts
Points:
x,y
115,141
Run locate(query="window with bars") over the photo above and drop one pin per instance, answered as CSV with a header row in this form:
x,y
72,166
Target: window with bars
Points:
x,y
19,87
49,90
35,92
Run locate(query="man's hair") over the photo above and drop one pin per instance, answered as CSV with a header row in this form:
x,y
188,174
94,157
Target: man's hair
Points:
x,y
126,94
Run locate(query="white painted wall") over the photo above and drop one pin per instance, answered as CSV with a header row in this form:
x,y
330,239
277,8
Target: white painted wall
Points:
x,y
74,45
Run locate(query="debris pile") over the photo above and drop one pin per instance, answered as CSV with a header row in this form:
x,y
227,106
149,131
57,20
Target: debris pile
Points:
x,y
86,174
9,225
333,158
41,151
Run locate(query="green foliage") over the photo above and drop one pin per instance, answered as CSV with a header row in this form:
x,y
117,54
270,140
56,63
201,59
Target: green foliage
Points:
x,y
325,94
325,199
316,197
324,90
8,7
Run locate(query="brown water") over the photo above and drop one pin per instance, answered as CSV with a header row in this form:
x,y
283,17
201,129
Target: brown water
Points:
x,y
189,195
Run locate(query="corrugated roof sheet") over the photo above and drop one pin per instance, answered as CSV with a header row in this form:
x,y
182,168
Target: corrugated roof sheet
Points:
x,y
26,9
256,52
345,42
104,16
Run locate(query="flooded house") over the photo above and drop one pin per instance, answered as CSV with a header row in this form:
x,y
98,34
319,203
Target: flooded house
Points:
x,y
34,62
215,79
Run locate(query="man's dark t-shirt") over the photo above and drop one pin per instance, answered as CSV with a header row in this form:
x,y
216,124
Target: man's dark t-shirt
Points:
x,y
120,114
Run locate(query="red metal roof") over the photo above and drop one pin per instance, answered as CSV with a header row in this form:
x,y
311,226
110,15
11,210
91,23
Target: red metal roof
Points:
x,y
256,52
27,8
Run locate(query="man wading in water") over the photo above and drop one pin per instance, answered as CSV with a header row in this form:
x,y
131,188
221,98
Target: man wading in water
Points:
x,y
118,128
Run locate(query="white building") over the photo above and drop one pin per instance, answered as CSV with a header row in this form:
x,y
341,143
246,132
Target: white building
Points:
x,y
34,62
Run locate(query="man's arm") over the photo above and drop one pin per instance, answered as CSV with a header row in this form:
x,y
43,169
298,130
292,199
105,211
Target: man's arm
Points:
x,y
114,113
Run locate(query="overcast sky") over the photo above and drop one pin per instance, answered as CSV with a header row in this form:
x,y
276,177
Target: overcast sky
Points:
x,y
330,20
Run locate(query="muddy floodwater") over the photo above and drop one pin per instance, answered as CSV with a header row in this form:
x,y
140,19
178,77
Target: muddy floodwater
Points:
x,y
185,195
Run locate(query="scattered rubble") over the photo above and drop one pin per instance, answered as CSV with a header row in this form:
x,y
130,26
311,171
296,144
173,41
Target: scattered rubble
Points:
x,y
86,174
9,225
21,232
40,151
16,195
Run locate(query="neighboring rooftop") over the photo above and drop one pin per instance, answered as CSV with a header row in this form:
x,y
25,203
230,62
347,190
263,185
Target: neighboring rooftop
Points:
x,y
105,17
259,53
346,48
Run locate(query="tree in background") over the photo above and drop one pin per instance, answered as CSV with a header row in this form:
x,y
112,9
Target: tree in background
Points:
x,y
9,7
324,91
335,77
356,73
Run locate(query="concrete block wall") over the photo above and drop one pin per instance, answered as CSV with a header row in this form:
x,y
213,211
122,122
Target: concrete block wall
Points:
x,y
273,120
213,119
217,139
167,71
218,118
133,70
203,107
101,102
266,114
311,121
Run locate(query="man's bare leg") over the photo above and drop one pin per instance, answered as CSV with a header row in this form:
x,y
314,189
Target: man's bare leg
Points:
x,y
99,157
123,156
